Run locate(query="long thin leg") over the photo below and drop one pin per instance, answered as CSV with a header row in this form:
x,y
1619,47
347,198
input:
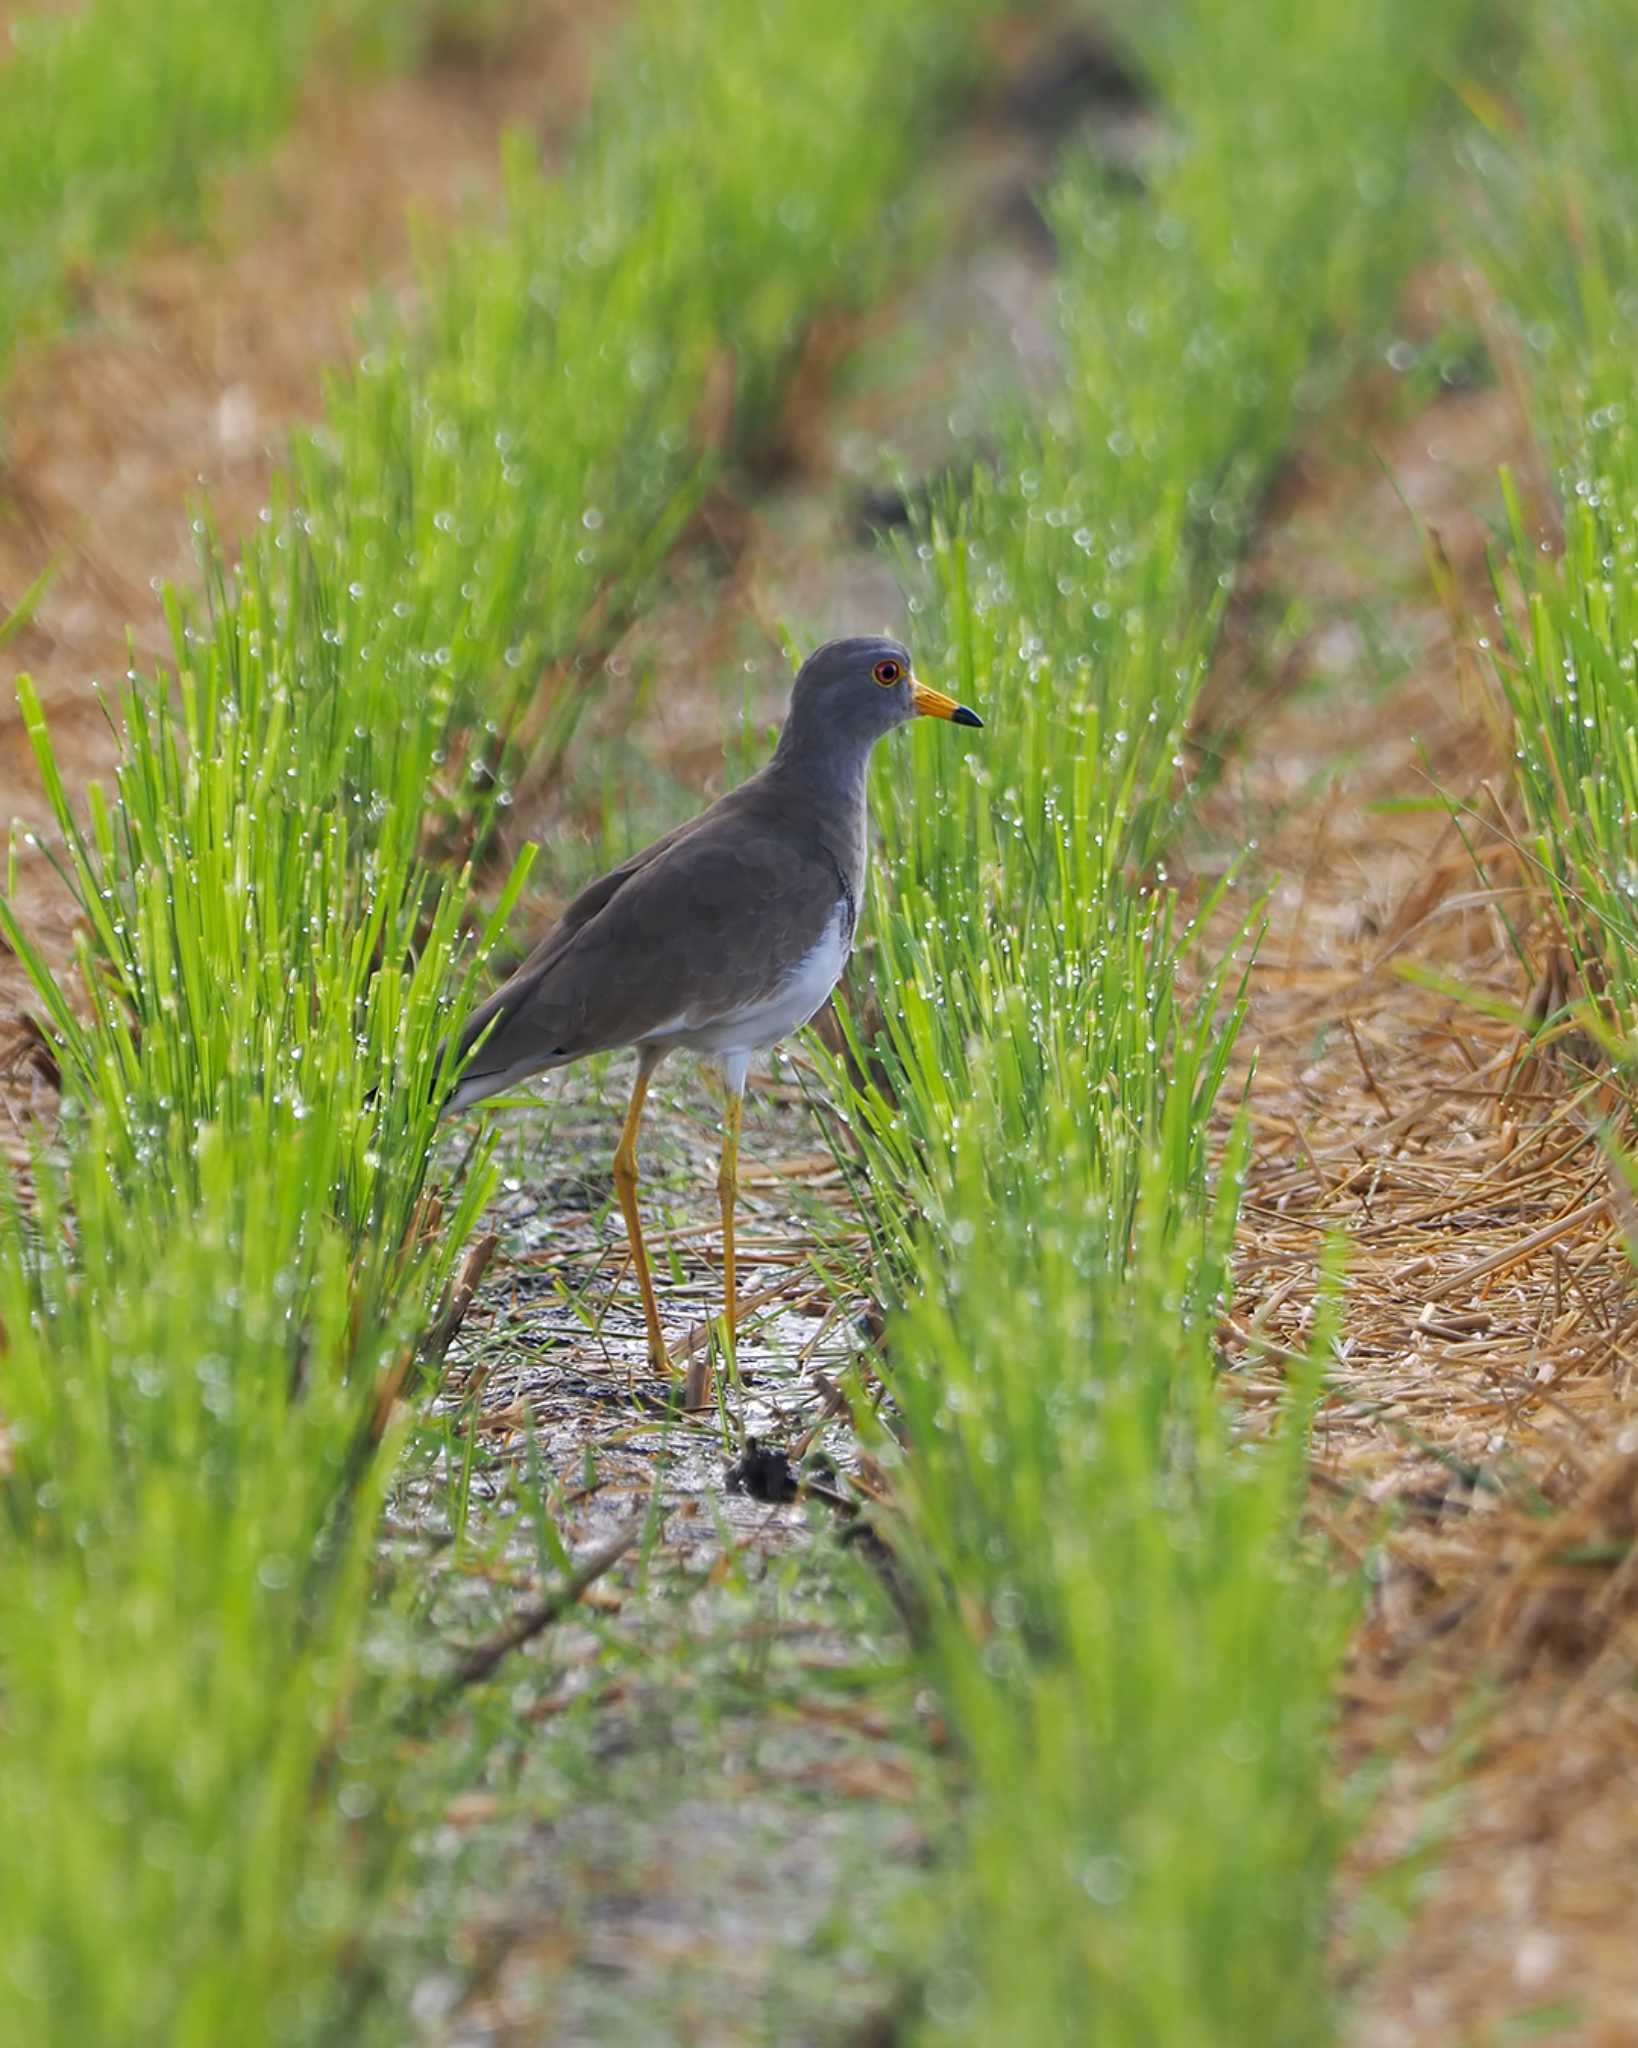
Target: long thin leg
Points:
x,y
625,1186
727,1193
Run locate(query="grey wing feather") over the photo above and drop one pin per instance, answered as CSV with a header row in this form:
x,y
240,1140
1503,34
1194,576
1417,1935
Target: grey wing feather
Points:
x,y
703,923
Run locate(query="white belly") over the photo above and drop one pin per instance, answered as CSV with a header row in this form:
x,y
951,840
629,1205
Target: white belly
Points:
x,y
799,996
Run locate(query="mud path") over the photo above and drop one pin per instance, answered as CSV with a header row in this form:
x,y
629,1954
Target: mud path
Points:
x,y
1475,1448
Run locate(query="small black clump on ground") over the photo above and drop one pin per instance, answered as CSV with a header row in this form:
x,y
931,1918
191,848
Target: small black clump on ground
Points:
x,y
764,1473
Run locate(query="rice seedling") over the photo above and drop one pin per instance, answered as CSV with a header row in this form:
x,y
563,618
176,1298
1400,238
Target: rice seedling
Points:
x,y
213,1310
1138,1655
201,1403
1562,249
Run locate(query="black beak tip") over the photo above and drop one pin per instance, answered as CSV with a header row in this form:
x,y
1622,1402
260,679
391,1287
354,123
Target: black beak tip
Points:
x,y
962,716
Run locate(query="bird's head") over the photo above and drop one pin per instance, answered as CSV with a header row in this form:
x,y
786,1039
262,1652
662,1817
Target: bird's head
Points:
x,y
850,692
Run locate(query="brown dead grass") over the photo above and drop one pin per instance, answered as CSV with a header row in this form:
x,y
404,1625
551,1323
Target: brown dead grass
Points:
x,y
1478,1449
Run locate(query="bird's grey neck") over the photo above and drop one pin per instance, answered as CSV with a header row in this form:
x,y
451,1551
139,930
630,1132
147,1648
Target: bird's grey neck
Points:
x,y
827,769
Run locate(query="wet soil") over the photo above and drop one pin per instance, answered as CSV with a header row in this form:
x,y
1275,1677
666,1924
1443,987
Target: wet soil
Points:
x,y
731,1796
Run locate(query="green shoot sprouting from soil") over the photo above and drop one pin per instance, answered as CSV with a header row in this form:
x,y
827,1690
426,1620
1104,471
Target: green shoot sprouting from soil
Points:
x,y
1138,1654
1562,252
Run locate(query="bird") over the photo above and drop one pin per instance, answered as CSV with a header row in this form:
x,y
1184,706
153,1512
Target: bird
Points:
x,y
720,939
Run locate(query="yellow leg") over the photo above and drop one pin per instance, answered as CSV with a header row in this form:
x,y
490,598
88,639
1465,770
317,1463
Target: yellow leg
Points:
x,y
625,1186
727,1193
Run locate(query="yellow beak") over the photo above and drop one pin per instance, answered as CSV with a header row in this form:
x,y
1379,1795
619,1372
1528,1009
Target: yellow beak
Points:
x,y
930,703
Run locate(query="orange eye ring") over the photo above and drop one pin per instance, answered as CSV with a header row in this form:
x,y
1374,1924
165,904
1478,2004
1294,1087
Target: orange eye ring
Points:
x,y
888,672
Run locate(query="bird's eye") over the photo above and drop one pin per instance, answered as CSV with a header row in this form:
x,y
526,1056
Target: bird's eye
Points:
x,y
887,673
